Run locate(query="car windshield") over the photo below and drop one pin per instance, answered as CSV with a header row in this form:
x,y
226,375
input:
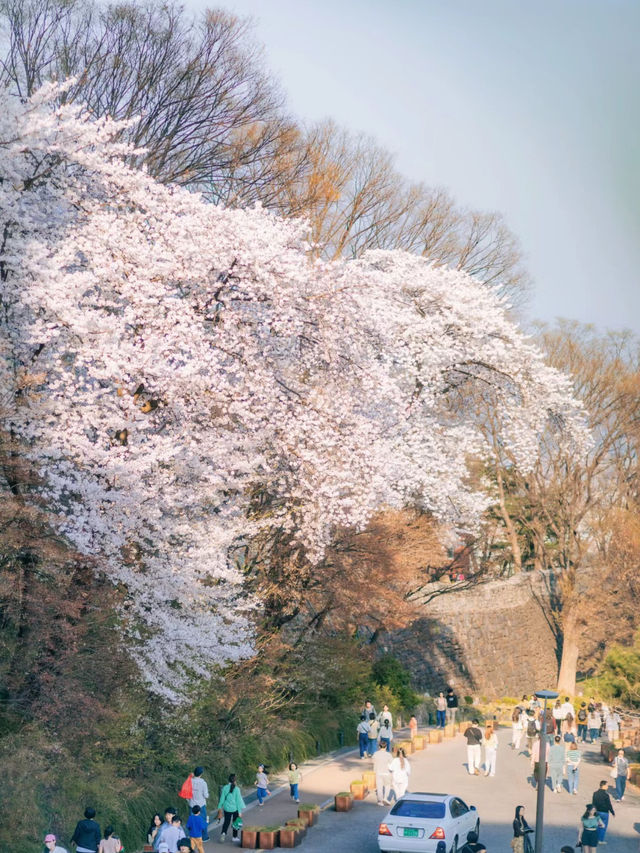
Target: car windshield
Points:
x,y
418,808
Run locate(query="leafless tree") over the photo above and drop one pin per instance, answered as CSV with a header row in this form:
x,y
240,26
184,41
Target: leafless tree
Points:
x,y
565,517
206,111
209,116
355,199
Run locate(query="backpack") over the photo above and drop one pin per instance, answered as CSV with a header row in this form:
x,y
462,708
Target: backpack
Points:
x,y
186,792
531,728
582,715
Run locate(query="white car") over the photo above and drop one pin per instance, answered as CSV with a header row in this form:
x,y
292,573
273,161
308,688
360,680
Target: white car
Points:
x,y
417,822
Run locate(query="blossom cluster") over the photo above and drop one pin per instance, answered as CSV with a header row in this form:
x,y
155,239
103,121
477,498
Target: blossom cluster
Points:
x,y
162,359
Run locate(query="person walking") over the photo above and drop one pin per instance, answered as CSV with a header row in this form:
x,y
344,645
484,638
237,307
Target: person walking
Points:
x,y
569,729
413,726
363,735
110,843
557,713
51,845
582,718
295,777
490,742
604,807
594,721
231,806
86,835
262,785
474,752
196,827
385,734
532,729
517,727
441,711
535,762
621,769
551,725
381,764
368,709
574,756
588,829
385,714
452,705
374,728
557,758
199,797
567,708
520,842
612,725
400,769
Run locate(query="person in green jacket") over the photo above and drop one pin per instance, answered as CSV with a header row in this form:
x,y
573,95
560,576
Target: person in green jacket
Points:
x,y
232,804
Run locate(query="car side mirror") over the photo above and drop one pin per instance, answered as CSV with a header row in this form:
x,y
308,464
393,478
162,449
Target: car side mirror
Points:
x,y
472,808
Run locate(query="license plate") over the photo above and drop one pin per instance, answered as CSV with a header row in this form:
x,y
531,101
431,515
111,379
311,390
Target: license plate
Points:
x,y
411,833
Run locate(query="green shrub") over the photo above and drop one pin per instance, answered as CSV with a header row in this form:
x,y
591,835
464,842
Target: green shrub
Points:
x,y
388,672
618,678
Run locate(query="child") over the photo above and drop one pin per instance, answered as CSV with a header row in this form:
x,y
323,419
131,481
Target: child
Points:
x,y
295,777
262,785
196,828
413,726
385,734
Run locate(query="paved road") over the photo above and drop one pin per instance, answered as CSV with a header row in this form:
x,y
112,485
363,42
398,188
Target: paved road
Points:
x,y
441,767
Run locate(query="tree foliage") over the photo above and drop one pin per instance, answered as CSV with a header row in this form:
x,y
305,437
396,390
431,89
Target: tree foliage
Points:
x,y
168,362
209,116
574,515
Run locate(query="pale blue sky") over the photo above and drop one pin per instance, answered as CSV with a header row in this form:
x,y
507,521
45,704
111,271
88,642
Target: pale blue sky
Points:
x,y
530,108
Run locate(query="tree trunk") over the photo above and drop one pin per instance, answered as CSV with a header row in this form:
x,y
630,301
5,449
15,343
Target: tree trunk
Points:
x,y
508,523
569,660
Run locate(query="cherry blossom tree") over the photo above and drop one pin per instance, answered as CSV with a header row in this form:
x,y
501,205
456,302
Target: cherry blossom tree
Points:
x,y
186,379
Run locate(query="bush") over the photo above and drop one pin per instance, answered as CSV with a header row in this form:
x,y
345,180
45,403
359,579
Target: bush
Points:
x,y
619,675
388,672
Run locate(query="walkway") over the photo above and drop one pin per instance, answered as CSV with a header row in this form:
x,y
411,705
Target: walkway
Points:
x,y
441,767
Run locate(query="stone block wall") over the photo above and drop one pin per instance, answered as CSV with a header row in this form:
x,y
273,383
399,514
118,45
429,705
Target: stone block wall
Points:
x,y
492,640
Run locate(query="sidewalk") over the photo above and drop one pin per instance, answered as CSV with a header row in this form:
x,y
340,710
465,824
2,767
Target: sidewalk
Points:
x,y
322,779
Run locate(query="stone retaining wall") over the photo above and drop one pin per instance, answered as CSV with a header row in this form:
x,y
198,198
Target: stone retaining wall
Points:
x,y
492,640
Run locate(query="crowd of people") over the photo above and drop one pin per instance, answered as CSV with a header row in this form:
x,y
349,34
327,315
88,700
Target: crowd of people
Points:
x,y
566,727
391,766
564,731
561,731
563,727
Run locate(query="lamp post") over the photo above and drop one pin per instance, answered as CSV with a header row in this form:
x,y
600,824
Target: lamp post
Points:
x,y
542,764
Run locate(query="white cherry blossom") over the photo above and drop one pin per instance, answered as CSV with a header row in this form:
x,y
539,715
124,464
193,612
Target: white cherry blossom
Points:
x,y
163,359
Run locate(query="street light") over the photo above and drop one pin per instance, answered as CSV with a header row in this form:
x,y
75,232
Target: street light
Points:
x,y
542,765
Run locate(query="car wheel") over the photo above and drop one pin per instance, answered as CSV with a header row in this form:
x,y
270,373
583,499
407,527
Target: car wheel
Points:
x,y
454,846
477,829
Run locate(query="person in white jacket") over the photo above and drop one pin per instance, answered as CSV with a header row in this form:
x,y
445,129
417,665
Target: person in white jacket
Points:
x,y
400,772
381,767
199,797
490,742
517,727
